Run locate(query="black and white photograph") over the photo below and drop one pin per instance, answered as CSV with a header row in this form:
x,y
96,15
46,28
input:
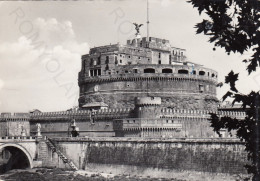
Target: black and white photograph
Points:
x,y
130,90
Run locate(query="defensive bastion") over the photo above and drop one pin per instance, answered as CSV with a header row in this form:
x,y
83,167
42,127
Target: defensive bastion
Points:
x,y
147,91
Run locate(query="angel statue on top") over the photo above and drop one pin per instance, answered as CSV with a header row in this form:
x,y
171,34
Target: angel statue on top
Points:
x,y
137,28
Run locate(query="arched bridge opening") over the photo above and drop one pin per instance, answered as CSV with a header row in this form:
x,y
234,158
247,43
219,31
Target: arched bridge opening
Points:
x,y
14,157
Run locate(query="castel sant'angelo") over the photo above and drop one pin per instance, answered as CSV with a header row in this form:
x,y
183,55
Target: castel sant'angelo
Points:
x,y
145,88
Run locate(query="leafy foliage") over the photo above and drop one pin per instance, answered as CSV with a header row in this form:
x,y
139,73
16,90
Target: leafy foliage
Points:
x,y
234,25
248,129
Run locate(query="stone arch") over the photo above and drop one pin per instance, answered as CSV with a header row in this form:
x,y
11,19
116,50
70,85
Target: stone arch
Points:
x,y
149,70
20,148
167,70
201,72
183,71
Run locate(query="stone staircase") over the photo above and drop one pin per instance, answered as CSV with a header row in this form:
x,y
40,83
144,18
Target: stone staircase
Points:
x,y
60,154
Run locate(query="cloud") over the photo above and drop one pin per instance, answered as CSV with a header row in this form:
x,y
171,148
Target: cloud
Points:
x,y
36,72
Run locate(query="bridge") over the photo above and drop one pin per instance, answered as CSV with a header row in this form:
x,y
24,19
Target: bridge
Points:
x,y
22,152
29,152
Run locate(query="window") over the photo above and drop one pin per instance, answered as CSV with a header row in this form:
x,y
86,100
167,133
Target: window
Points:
x,y
159,62
139,58
149,70
91,73
201,88
183,71
99,71
167,71
120,61
116,61
170,59
91,62
107,59
135,71
148,59
213,75
159,55
129,56
99,60
126,71
201,73
107,67
95,62
194,72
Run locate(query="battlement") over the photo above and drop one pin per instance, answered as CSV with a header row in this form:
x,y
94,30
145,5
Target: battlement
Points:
x,y
202,113
144,101
84,113
14,117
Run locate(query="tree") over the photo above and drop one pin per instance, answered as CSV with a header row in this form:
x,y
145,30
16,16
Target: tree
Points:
x,y
234,26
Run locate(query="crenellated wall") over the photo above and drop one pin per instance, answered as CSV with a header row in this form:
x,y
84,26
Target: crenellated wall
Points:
x,y
14,124
55,124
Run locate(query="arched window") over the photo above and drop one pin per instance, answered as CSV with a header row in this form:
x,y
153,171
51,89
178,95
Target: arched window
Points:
x,y
149,70
183,71
213,75
201,73
167,71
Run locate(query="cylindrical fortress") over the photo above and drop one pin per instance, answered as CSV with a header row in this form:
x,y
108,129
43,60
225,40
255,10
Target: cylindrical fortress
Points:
x,y
177,90
116,75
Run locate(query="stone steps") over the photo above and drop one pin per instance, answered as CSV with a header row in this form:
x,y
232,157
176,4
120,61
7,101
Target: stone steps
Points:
x,y
61,155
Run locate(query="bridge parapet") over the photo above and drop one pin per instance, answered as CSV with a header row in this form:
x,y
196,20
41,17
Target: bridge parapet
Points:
x,y
10,139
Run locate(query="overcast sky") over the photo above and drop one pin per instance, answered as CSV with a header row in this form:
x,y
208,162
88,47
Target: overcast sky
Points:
x,y
41,44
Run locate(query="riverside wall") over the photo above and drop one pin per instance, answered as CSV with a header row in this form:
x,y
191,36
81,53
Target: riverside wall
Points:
x,y
199,155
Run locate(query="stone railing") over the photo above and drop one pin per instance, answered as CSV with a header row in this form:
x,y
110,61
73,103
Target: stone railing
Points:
x,y
18,138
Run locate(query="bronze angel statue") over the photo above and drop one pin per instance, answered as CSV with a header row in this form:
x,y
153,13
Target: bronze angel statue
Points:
x,y
137,27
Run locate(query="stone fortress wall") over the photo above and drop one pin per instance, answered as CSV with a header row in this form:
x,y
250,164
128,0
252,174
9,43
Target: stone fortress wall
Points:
x,y
13,124
117,74
140,122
